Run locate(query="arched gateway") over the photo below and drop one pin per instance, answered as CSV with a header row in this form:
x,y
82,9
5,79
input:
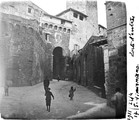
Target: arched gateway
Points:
x,y
58,63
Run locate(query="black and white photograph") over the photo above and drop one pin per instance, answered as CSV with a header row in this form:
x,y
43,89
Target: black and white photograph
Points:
x,y
69,59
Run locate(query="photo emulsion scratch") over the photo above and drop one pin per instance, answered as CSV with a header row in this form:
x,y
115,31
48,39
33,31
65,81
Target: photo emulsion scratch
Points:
x,y
63,66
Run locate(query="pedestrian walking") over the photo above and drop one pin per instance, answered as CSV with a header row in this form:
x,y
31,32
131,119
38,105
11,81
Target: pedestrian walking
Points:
x,y
7,85
6,89
46,83
71,92
119,103
48,95
58,78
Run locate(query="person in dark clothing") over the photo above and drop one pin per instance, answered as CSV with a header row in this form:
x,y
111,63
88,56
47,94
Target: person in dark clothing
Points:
x,y
46,83
71,92
6,88
48,95
119,103
58,78
7,85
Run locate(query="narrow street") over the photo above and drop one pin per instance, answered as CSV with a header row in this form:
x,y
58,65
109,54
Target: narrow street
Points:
x,y
29,102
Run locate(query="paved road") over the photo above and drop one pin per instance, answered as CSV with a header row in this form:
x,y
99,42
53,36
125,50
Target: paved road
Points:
x,y
29,102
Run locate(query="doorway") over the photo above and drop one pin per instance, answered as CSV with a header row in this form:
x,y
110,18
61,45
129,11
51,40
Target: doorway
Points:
x,y
58,63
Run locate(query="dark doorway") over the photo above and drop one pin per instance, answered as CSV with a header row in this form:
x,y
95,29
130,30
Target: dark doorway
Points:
x,y
58,63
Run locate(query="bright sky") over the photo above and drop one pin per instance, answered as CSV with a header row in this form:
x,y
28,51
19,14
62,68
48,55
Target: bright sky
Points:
x,y
54,7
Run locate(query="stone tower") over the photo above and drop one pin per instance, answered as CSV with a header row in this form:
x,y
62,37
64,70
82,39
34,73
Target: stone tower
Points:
x,y
88,7
117,38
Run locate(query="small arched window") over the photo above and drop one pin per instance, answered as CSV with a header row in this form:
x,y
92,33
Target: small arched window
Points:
x,y
60,28
30,30
46,25
50,26
68,31
64,29
55,27
24,29
17,26
11,27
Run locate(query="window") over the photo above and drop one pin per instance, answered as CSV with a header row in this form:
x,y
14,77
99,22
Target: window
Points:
x,y
12,6
17,27
46,36
68,31
30,30
109,9
64,29
75,15
45,25
11,26
81,17
60,28
111,14
55,27
50,26
29,10
62,22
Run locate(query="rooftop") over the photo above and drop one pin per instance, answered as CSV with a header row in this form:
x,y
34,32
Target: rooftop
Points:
x,y
96,40
101,26
46,14
71,9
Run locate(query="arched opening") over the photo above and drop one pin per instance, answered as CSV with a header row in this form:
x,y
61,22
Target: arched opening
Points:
x,y
30,30
11,27
46,25
17,27
58,63
24,29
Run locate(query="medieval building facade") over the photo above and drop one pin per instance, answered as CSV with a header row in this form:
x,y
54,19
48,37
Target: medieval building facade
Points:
x,y
35,44
56,31
83,15
33,39
101,63
58,34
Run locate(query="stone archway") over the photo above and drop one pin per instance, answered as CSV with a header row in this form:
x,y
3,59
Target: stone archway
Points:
x,y
58,63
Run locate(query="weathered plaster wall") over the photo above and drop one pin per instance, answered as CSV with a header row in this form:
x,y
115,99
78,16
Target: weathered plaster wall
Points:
x,y
82,30
20,8
58,38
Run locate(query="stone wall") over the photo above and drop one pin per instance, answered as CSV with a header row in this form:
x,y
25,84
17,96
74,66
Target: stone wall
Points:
x,y
116,30
88,66
24,9
115,13
26,55
117,61
58,38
